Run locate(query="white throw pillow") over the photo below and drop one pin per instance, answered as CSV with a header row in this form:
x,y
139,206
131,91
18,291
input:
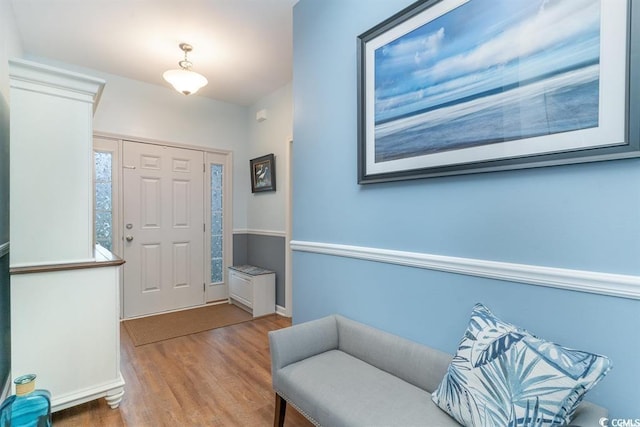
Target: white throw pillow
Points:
x,y
503,375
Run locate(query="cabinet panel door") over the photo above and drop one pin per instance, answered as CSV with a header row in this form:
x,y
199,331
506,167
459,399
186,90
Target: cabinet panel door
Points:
x,y
241,288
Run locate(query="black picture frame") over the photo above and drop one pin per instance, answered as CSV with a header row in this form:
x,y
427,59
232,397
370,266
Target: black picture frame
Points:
x,y
263,173
616,136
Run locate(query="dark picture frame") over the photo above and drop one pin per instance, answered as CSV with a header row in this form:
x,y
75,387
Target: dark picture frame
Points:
x,y
263,173
450,87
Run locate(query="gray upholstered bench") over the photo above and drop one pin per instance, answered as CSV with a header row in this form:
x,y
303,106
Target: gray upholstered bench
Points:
x,y
338,372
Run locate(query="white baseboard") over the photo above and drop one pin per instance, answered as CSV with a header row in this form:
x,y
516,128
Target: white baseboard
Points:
x,y
617,285
68,400
281,311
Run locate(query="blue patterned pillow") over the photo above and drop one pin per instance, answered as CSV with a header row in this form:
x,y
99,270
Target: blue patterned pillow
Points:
x,y
504,376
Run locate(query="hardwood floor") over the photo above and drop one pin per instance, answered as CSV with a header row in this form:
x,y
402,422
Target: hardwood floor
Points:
x,y
220,377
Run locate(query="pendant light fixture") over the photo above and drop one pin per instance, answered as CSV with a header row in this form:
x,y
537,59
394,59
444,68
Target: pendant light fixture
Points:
x,y
184,80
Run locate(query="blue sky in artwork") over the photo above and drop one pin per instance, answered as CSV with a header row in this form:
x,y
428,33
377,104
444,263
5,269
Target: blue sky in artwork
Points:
x,y
482,46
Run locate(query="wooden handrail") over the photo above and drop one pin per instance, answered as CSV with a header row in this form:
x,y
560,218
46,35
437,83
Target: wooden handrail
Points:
x,y
102,258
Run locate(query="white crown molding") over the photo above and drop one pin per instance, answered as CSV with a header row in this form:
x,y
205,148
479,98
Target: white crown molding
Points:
x,y
617,285
36,77
273,233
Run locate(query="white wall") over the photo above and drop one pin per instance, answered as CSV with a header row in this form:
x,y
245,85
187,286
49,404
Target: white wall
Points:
x,y
136,109
10,44
267,211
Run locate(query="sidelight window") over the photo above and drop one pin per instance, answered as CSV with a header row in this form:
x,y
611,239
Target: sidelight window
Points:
x,y
217,272
103,201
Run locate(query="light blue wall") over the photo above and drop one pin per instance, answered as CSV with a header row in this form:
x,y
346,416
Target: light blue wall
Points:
x,y
584,217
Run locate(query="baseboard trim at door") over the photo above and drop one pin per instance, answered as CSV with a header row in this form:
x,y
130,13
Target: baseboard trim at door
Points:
x,y
281,311
617,285
218,302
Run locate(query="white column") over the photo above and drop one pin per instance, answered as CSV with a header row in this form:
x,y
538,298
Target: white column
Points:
x,y
51,203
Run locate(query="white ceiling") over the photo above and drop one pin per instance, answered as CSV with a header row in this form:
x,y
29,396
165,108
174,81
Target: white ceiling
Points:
x,y
243,47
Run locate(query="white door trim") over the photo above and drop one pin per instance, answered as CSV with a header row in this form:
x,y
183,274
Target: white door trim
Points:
x,y
114,146
288,276
108,135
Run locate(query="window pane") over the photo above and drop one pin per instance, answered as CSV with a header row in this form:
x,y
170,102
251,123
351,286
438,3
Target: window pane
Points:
x,y
103,229
103,196
216,270
103,167
216,246
216,224
103,200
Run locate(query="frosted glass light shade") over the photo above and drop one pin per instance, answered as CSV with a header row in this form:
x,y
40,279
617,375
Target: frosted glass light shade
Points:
x,y
185,81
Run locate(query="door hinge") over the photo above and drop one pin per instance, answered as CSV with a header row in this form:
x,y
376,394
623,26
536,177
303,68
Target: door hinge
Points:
x,y
204,226
204,167
204,287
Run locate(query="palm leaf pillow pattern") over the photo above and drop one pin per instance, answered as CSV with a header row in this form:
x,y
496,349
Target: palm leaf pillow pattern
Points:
x,y
503,375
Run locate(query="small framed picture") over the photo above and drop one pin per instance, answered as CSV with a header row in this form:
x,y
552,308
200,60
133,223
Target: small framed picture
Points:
x,y
263,173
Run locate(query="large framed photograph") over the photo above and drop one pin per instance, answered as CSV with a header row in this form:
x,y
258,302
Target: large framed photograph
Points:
x,y
460,86
263,173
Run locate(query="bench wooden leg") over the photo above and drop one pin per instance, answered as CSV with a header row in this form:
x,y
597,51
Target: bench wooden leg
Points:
x,y
281,409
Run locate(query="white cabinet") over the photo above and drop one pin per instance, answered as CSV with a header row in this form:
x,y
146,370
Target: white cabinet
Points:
x,y
65,329
65,299
253,288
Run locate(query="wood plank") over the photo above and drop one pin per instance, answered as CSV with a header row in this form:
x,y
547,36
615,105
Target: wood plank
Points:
x,y
220,377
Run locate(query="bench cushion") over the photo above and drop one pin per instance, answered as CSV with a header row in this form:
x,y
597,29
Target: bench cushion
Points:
x,y
336,389
417,364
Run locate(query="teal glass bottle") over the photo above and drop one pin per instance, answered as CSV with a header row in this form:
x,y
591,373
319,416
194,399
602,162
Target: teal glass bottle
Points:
x,y
28,407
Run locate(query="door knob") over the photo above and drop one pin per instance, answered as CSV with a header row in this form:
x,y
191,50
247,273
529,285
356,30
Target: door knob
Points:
x,y
129,238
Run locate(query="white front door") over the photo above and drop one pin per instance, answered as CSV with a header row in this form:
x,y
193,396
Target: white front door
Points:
x,y
163,228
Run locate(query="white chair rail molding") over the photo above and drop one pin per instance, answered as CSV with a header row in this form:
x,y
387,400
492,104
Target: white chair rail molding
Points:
x,y
618,285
